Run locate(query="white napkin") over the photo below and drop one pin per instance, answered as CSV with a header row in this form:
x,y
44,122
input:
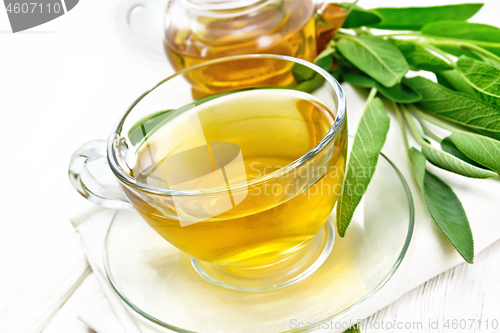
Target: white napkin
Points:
x,y
429,253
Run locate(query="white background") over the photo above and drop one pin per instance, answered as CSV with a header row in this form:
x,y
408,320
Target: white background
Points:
x,y
66,82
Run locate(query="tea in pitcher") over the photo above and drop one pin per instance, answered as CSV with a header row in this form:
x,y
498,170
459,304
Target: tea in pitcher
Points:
x,y
224,151
199,31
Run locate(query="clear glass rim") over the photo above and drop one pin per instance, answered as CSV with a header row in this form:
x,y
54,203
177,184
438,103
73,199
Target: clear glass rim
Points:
x,y
327,139
224,8
338,316
221,4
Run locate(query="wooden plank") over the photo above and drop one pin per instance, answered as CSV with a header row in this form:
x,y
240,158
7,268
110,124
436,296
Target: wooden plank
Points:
x,y
467,293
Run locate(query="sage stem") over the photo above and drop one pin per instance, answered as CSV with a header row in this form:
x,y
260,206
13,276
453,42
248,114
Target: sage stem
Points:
x,y
466,45
431,134
437,122
437,50
371,95
402,125
414,131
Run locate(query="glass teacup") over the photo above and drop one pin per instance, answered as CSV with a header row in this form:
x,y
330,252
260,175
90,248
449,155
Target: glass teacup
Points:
x,y
240,175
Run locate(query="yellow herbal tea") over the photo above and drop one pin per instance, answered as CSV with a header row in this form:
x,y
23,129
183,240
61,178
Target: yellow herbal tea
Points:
x,y
284,28
262,130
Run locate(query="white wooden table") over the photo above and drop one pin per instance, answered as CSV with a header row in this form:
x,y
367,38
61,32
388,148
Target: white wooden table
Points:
x,y
64,83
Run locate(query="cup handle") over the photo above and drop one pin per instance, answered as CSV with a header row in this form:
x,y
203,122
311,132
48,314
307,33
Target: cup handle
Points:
x,y
141,25
90,175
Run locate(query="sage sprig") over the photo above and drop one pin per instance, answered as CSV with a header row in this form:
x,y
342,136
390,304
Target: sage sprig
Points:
x,y
465,57
400,92
414,18
368,142
376,57
448,146
457,107
481,149
444,207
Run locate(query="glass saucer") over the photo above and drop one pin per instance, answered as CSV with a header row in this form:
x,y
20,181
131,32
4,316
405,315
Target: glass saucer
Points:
x,y
158,281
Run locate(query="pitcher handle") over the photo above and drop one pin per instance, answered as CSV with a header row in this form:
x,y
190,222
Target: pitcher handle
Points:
x,y
90,175
141,24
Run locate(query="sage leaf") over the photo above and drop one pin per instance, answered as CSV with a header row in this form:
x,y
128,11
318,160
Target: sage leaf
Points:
x,y
444,206
359,17
302,73
420,58
376,57
416,125
462,30
399,93
486,59
368,142
325,59
311,85
481,149
442,80
353,329
337,74
418,160
346,67
451,163
448,146
486,36
414,18
482,77
453,80
459,51
457,107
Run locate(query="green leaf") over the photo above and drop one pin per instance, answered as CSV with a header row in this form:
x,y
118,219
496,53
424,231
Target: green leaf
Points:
x,y
302,73
448,146
444,206
420,58
368,142
311,85
486,36
337,74
416,125
478,148
399,93
449,214
482,77
457,107
486,59
451,163
414,18
376,57
462,30
442,80
345,66
418,163
457,52
453,80
359,17
352,330
325,59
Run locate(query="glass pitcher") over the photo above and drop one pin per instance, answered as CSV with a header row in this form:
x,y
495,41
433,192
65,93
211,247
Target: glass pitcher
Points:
x,y
200,30
194,31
